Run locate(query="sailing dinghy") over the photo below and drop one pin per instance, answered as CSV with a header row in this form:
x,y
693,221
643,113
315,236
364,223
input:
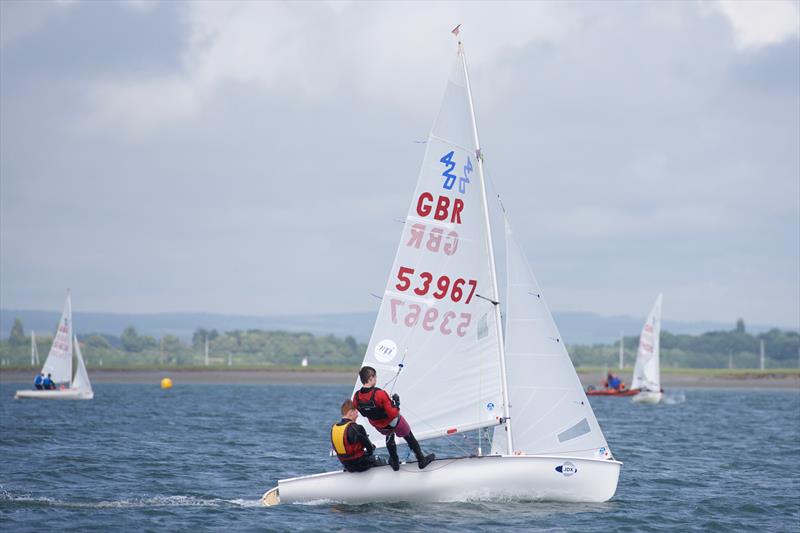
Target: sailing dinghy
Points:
x,y
439,329
59,365
647,372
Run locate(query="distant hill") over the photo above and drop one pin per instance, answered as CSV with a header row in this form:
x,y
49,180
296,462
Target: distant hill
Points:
x,y
575,327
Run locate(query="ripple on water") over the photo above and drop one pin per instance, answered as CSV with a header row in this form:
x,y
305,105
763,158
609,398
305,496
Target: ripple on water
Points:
x,y
201,456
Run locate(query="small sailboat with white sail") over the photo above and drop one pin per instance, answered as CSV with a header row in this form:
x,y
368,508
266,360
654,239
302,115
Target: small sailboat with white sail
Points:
x,y
647,372
439,328
59,365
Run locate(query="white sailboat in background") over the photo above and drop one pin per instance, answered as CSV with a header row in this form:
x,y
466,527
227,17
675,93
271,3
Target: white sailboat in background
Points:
x,y
647,372
439,329
59,365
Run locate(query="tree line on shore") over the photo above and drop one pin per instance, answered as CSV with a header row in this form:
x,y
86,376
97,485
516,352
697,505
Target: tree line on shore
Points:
x,y
716,349
251,347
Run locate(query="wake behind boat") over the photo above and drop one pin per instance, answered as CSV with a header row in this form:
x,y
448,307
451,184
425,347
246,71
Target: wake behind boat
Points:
x,y
439,329
58,366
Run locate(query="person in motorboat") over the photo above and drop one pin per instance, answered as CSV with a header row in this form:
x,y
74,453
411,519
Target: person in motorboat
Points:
x,y
38,383
351,442
613,381
48,383
384,415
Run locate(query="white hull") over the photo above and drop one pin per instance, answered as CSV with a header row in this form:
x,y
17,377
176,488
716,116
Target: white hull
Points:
x,y
648,397
66,394
458,479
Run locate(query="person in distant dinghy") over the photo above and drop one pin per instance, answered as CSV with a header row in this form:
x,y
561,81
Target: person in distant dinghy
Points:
x,y
384,415
38,383
351,442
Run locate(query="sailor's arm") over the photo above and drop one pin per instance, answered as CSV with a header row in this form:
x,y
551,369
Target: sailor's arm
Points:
x,y
357,433
382,399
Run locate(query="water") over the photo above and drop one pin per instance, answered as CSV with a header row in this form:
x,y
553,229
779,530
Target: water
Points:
x,y
200,456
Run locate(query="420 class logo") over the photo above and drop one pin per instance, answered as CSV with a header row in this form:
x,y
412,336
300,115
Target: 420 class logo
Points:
x,y
450,178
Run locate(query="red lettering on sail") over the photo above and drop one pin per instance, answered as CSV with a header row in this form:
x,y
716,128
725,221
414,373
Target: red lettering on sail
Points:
x,y
451,243
443,209
430,320
417,232
458,206
423,208
437,240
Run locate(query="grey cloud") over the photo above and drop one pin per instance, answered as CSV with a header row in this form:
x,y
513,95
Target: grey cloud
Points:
x,y
641,152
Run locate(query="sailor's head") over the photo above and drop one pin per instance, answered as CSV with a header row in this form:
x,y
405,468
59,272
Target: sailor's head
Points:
x,y
349,410
49,375
367,376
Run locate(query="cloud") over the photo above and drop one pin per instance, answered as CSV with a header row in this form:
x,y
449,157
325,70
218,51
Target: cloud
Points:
x,y
20,18
604,222
318,50
272,149
763,22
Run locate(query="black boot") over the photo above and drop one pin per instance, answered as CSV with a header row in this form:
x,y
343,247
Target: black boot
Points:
x,y
391,447
422,459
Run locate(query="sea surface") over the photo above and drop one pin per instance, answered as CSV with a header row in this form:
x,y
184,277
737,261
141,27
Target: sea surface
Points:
x,y
199,457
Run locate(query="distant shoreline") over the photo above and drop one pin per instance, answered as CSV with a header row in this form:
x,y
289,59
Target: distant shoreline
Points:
x,y
329,376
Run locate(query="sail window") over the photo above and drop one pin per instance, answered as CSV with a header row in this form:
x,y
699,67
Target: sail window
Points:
x,y
581,428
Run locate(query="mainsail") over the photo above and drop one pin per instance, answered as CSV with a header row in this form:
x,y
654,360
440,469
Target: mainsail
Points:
x,y
647,372
59,360
437,328
548,406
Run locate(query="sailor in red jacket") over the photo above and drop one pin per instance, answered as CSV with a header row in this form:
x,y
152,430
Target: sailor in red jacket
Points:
x,y
384,415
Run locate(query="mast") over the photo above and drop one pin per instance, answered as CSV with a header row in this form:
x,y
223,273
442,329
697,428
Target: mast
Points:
x,y
492,266
206,349
762,355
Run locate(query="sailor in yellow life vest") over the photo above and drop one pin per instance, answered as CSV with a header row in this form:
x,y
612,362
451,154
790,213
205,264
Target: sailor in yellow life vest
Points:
x,y
351,443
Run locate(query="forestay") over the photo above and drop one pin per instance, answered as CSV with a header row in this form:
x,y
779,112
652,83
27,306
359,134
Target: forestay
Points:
x,y
548,407
59,360
647,372
436,317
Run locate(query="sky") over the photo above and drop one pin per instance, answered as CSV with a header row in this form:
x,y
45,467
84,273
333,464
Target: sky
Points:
x,y
255,157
